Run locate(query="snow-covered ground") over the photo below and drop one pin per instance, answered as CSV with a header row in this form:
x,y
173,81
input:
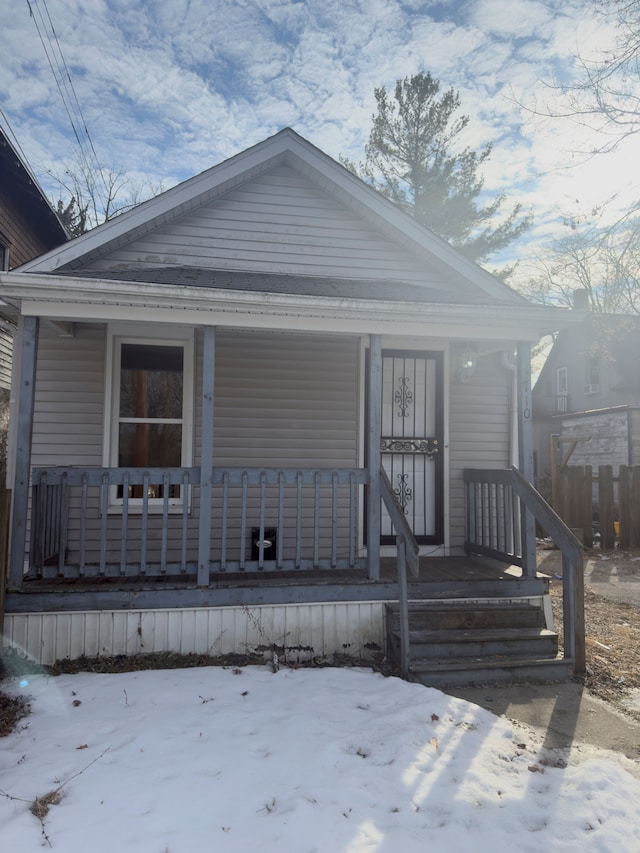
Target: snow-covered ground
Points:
x,y
300,760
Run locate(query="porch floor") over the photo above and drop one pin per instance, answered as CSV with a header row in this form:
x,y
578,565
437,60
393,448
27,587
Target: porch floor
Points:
x,y
439,577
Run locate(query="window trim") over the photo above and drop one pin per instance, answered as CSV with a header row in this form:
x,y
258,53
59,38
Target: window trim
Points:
x,y
166,336
562,372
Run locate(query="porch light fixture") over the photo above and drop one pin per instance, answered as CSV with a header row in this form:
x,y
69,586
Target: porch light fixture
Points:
x,y
467,366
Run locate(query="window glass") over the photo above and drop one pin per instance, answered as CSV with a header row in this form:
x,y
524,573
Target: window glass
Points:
x,y
593,370
150,446
151,382
561,380
149,413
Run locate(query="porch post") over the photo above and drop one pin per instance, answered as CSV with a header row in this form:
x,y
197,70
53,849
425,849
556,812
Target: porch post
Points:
x,y
25,389
525,454
206,455
374,457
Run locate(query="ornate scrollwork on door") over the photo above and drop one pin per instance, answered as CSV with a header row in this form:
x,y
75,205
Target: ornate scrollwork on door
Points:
x,y
403,397
403,492
427,446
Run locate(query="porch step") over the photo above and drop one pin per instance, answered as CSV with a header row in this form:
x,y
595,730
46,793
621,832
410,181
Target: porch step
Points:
x,y
461,615
448,673
484,643
477,642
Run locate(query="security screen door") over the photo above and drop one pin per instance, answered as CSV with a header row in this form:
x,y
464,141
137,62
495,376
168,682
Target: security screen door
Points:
x,y
412,440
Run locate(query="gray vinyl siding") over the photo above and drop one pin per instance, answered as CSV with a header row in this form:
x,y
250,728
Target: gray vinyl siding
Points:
x,y
286,401
277,223
478,433
68,416
281,401
68,430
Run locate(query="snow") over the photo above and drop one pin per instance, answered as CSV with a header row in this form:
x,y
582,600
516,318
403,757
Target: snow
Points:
x,y
300,760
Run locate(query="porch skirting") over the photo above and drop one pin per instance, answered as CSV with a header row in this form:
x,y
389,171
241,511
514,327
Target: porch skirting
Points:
x,y
299,631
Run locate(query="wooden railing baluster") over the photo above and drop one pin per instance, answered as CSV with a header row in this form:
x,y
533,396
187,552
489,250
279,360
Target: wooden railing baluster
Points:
x,y
136,522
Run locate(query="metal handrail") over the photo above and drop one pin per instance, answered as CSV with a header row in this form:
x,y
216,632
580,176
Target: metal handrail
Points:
x,y
494,514
408,552
572,567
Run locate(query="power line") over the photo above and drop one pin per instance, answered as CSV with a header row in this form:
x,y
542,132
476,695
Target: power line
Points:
x,y
64,83
73,90
16,141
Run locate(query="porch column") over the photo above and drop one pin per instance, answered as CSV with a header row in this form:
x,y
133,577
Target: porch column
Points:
x,y
206,455
525,454
26,357
374,457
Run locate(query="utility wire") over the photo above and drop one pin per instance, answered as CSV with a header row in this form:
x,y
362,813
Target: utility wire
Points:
x,y
16,141
65,86
72,87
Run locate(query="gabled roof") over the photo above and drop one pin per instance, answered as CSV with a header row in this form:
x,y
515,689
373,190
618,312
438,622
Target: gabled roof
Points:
x,y
613,337
289,149
19,183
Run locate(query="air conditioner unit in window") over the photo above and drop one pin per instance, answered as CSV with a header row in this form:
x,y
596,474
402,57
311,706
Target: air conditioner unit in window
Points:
x,y
591,389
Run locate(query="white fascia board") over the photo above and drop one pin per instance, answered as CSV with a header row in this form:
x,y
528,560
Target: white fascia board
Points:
x,y
67,298
383,322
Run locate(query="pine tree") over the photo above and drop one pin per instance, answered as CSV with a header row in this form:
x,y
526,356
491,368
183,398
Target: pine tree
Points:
x,y
411,158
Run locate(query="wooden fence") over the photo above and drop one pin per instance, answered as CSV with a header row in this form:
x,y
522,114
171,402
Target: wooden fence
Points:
x,y
605,508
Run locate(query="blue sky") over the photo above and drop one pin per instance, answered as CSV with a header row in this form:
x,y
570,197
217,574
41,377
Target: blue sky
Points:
x,y
170,87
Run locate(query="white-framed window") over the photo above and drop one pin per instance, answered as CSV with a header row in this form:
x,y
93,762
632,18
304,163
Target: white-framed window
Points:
x,y
149,408
561,382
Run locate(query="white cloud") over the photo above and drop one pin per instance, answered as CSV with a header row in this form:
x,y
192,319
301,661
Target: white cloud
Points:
x,y
170,88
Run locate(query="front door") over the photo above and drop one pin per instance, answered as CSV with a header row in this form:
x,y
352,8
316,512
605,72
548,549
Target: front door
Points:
x,y
412,442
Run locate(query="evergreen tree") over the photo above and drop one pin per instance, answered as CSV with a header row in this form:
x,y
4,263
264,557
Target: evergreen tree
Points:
x,y
411,158
73,218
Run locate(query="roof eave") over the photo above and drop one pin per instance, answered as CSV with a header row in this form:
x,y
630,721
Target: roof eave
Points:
x,y
65,297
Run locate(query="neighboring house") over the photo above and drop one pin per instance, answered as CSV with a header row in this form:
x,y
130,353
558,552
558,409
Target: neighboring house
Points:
x,y
28,228
217,388
589,390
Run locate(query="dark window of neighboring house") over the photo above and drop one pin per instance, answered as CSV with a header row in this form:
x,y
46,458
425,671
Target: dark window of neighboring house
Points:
x,y
562,385
561,381
4,257
593,375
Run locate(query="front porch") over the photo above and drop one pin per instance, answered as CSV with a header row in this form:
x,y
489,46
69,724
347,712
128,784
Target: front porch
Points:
x,y
300,615
437,578
279,534
477,617
124,559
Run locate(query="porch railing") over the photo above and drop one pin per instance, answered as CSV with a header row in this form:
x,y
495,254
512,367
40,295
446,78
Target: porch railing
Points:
x,y
408,551
494,500
139,522
493,516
